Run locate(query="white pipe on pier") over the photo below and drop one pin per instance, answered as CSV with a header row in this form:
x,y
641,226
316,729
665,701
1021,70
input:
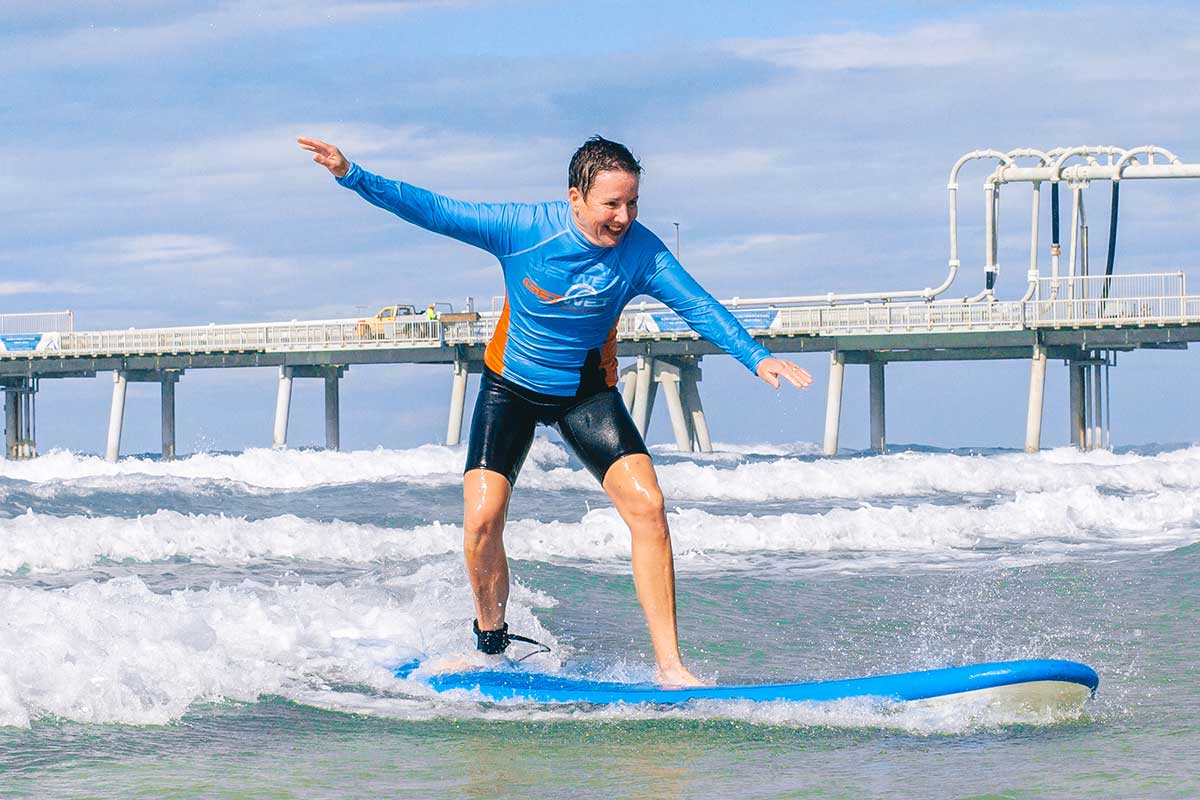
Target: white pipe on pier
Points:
x,y
116,415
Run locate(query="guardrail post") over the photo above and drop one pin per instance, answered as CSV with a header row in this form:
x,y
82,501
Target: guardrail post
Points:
x,y
116,416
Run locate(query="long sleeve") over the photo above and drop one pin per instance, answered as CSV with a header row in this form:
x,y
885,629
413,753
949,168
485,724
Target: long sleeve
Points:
x,y
484,225
669,283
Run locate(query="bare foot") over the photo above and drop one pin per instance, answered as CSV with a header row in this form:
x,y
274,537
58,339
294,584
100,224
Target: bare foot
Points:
x,y
677,677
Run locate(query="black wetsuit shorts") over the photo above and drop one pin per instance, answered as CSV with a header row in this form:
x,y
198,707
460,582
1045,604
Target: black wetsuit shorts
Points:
x,y
595,425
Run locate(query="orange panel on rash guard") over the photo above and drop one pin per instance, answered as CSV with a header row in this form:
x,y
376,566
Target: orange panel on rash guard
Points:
x,y
493,356
608,357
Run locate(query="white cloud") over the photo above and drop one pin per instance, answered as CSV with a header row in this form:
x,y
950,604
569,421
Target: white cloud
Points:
x,y
755,245
94,35
168,249
927,46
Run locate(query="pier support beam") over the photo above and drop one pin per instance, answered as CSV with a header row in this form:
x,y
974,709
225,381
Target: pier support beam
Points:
x,y
167,382
463,369
20,430
643,394
833,402
333,433
668,376
679,377
283,404
1077,397
11,423
1037,392
166,378
116,416
878,413
331,374
697,423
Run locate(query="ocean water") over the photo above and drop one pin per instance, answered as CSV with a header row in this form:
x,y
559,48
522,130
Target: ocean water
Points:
x,y
224,625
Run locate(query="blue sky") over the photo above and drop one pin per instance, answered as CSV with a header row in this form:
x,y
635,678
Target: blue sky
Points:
x,y
151,178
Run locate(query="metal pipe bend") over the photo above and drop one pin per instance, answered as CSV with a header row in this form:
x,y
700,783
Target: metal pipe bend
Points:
x,y
1085,150
1148,149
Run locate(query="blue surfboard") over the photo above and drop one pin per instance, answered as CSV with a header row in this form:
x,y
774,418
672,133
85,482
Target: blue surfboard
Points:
x,y
1030,682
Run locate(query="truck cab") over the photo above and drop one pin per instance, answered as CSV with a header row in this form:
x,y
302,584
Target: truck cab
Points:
x,y
375,327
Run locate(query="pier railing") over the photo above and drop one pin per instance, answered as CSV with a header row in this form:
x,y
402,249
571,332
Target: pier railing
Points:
x,y
1093,301
1116,301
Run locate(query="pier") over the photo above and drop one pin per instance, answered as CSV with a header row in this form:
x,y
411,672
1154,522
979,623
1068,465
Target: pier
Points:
x,y
1073,314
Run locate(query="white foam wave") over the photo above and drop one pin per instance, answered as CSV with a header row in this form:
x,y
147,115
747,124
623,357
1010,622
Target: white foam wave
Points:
x,y
116,652
1043,526
918,474
722,476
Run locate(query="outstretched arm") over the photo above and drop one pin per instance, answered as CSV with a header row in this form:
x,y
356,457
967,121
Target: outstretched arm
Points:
x,y
484,225
671,283
326,155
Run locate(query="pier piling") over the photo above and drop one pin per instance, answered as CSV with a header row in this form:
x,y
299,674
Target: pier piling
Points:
x,y
643,394
833,402
167,383
697,423
333,438
878,415
1037,388
116,415
283,402
20,431
1076,396
458,401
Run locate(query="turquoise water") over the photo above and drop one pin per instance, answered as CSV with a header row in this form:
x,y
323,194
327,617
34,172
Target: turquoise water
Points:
x,y
223,626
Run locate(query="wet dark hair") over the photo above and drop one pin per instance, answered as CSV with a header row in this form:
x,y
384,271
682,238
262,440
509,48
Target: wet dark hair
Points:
x,y
598,155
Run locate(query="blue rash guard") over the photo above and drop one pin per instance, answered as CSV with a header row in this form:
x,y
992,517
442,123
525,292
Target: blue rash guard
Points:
x,y
557,333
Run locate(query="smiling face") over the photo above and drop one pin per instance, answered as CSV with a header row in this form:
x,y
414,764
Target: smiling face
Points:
x,y
605,213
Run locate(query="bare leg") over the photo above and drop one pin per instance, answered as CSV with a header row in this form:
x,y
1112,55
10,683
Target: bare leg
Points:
x,y
633,487
485,496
